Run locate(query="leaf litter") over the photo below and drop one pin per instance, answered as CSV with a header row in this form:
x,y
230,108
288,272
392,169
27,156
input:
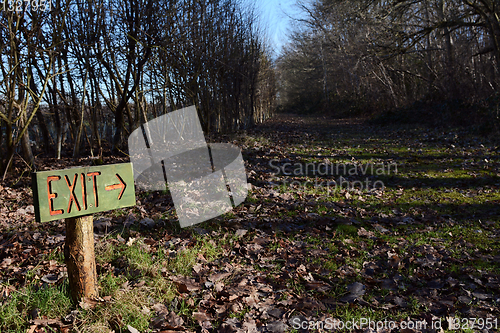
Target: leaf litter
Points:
x,y
293,251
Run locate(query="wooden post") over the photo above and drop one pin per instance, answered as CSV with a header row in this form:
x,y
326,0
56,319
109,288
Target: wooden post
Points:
x,y
74,195
80,258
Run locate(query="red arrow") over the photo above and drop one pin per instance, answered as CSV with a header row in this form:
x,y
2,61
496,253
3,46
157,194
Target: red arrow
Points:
x,y
122,185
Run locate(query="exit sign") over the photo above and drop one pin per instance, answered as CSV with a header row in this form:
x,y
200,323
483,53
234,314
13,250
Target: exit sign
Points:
x,y
81,191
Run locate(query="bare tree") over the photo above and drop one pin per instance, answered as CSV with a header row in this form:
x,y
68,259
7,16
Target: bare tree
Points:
x,y
385,54
102,67
22,49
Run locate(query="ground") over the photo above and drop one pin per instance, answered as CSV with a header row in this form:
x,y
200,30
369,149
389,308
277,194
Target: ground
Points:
x,y
347,225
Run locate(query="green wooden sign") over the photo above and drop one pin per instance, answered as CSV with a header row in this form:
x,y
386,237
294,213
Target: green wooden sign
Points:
x,y
81,191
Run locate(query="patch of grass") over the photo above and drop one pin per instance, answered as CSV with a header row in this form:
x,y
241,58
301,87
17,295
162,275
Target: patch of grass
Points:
x,y
110,284
105,251
139,259
347,230
130,305
127,308
273,246
486,267
50,301
185,260
296,286
330,265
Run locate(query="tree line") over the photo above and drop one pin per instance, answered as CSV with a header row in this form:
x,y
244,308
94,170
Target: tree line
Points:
x,y
376,55
82,74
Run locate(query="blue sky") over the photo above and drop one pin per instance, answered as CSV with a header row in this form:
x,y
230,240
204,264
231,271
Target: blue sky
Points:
x,y
274,16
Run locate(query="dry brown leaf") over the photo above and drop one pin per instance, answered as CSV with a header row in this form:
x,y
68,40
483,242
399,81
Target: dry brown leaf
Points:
x,y
201,258
252,300
219,276
364,233
219,286
46,322
198,268
184,284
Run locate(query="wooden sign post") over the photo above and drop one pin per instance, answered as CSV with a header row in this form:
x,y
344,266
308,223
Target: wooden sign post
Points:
x,y
75,194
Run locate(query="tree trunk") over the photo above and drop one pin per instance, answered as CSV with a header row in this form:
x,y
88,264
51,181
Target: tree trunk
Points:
x,y
45,131
10,149
430,65
41,119
80,258
59,132
8,161
78,137
25,143
448,56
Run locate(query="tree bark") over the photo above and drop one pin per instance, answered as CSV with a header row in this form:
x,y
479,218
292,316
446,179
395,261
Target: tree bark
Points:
x,y
451,85
25,143
80,258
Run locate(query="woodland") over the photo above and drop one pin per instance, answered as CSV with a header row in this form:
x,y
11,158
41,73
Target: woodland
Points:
x,y
370,145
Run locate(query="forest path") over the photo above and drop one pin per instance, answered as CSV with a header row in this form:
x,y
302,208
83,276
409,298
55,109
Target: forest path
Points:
x,y
346,223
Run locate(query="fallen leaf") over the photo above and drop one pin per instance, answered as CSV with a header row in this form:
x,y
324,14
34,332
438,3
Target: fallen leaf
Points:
x,y
363,233
131,241
132,329
184,284
240,233
219,276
